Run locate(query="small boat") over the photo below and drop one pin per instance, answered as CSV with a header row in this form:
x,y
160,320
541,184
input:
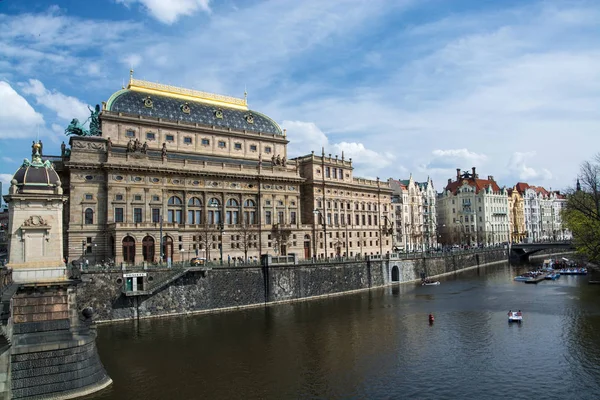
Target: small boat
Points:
x,y
430,283
573,271
553,276
515,316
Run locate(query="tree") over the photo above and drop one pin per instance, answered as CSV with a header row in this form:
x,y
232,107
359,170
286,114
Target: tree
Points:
x,y
582,212
247,238
280,237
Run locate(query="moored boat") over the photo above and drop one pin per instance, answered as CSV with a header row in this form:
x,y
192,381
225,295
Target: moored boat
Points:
x,y
553,276
430,283
573,271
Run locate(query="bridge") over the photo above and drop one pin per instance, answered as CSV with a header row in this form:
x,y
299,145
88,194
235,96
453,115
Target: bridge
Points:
x,y
522,251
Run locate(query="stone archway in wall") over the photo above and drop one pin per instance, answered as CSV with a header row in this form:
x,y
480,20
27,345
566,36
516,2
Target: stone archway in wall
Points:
x,y
148,248
395,274
128,249
307,247
167,248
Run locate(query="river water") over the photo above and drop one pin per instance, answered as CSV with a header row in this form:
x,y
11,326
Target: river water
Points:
x,y
373,345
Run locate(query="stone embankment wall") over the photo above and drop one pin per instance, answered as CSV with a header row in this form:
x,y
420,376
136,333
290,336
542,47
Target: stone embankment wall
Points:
x,y
229,288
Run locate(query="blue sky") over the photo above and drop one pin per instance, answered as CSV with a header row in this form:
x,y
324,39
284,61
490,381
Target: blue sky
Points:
x,y
404,86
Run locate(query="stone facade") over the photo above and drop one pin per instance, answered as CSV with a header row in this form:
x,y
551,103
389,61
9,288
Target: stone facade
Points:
x,y
206,177
349,216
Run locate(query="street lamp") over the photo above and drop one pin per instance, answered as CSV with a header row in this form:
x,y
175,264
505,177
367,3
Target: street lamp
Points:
x,y
220,227
182,251
317,211
82,252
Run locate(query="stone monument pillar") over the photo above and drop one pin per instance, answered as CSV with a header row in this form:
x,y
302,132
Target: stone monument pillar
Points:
x,y
35,208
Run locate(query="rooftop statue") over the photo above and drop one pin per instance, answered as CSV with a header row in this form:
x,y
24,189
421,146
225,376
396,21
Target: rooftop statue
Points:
x,y
75,128
95,121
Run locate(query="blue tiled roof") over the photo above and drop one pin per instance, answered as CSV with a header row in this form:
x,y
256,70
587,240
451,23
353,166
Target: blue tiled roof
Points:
x,y
168,108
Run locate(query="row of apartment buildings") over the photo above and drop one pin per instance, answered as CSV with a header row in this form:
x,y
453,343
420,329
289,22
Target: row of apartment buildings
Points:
x,y
473,211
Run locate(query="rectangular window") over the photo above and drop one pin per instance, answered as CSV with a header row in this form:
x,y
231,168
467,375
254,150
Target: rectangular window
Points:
x,y
268,217
267,150
137,197
155,198
119,197
222,144
328,218
293,217
252,147
156,215
341,174
364,220
280,219
137,215
118,214
237,146
335,173
187,140
150,135
205,142
170,138
336,220
327,172
130,133
89,197
357,219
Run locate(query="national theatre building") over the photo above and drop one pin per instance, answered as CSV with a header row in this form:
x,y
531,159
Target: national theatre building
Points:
x,y
180,173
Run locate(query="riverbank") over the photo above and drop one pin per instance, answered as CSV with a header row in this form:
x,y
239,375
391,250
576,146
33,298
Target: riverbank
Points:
x,y
225,289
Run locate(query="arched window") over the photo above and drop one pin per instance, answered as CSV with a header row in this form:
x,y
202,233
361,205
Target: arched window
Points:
x,y
174,201
128,249
250,212
89,216
194,211
214,211
232,212
175,212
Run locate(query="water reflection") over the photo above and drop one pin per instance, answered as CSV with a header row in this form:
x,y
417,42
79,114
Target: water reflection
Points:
x,y
377,344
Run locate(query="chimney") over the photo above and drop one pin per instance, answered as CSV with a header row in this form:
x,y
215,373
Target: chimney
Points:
x,y
449,181
474,174
490,178
457,173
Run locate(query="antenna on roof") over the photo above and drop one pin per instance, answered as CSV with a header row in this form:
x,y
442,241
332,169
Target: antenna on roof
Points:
x,y
131,74
245,94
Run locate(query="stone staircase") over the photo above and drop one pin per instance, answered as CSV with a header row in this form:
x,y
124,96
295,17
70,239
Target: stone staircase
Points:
x,y
158,284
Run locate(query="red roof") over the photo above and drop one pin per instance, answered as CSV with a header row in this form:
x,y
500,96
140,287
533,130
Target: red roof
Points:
x,y
521,187
478,184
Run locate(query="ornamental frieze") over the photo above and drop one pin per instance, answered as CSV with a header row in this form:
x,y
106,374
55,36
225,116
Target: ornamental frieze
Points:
x,y
89,146
35,221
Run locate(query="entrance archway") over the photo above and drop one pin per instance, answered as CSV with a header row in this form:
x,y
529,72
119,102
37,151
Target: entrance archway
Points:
x,y
148,248
128,249
167,248
306,247
395,274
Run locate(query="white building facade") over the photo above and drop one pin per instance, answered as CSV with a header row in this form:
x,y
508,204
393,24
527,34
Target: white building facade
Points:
x,y
473,211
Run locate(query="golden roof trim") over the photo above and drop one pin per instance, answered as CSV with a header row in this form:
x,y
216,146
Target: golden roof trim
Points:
x,y
187,94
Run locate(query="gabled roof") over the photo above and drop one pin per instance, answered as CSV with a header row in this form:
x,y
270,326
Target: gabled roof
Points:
x,y
478,184
521,187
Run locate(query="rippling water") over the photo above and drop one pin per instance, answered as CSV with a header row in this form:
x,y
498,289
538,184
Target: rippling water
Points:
x,y
375,345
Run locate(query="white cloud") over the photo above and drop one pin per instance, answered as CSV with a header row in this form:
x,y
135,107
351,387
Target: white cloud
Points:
x,y
169,11
455,158
518,167
7,159
17,118
304,137
363,158
65,107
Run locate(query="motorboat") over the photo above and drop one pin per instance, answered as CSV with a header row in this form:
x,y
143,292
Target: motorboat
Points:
x,y
515,316
430,283
553,276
